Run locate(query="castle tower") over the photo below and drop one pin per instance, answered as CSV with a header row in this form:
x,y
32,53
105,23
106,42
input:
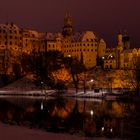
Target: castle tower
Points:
x,y
67,28
123,41
126,42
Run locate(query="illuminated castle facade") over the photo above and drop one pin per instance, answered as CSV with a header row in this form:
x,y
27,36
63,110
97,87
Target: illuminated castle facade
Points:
x,y
122,56
85,46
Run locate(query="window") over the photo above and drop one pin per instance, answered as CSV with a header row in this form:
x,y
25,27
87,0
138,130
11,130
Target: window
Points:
x,y
10,42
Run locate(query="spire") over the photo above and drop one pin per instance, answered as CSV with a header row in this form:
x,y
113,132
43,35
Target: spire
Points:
x,y
67,14
68,25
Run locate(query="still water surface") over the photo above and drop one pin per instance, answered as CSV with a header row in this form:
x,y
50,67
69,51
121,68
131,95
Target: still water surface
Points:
x,y
90,118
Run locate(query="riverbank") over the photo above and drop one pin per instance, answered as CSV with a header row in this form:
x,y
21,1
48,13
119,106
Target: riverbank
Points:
x,y
8,132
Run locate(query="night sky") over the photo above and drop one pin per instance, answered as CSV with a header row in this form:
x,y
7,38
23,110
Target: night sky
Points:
x,y
105,17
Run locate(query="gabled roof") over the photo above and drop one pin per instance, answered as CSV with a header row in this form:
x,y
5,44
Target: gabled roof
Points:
x,y
82,36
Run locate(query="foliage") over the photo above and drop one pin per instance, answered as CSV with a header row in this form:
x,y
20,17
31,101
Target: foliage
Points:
x,y
136,73
42,65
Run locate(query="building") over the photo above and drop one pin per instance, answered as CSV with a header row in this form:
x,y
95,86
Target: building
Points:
x,y
14,41
122,56
85,45
10,46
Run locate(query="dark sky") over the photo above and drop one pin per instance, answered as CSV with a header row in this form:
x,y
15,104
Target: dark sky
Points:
x,y
105,17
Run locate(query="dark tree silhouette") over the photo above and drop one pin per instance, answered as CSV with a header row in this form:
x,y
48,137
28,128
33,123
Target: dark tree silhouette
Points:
x,y
75,67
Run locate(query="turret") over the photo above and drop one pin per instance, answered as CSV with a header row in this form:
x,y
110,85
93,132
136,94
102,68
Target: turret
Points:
x,y
67,28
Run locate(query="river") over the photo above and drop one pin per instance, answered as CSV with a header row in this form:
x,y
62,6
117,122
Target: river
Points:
x,y
83,117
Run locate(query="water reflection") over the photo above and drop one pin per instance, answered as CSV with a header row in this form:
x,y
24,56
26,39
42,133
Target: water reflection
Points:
x,y
90,118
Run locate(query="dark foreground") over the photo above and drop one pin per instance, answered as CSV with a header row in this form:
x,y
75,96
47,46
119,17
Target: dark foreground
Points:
x,y
21,133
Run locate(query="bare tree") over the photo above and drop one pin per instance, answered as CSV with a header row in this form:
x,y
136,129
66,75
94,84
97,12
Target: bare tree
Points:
x,y
75,67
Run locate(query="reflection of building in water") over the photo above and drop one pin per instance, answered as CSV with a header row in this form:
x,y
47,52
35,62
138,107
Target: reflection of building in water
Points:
x,y
90,118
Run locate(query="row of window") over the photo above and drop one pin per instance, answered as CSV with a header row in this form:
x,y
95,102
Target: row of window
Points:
x,y
110,61
77,50
88,40
74,45
8,31
10,37
11,43
108,67
51,45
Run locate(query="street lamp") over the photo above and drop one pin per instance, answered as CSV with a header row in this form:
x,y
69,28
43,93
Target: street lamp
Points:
x,y
91,80
42,106
41,87
102,128
91,113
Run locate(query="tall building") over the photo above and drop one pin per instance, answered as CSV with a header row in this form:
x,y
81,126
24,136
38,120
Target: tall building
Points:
x,y
68,25
15,41
122,56
10,46
86,45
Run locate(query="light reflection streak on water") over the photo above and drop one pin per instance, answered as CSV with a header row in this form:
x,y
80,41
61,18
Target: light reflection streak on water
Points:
x,y
91,117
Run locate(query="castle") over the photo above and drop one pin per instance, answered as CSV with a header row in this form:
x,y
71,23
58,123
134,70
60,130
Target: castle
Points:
x,y
85,46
